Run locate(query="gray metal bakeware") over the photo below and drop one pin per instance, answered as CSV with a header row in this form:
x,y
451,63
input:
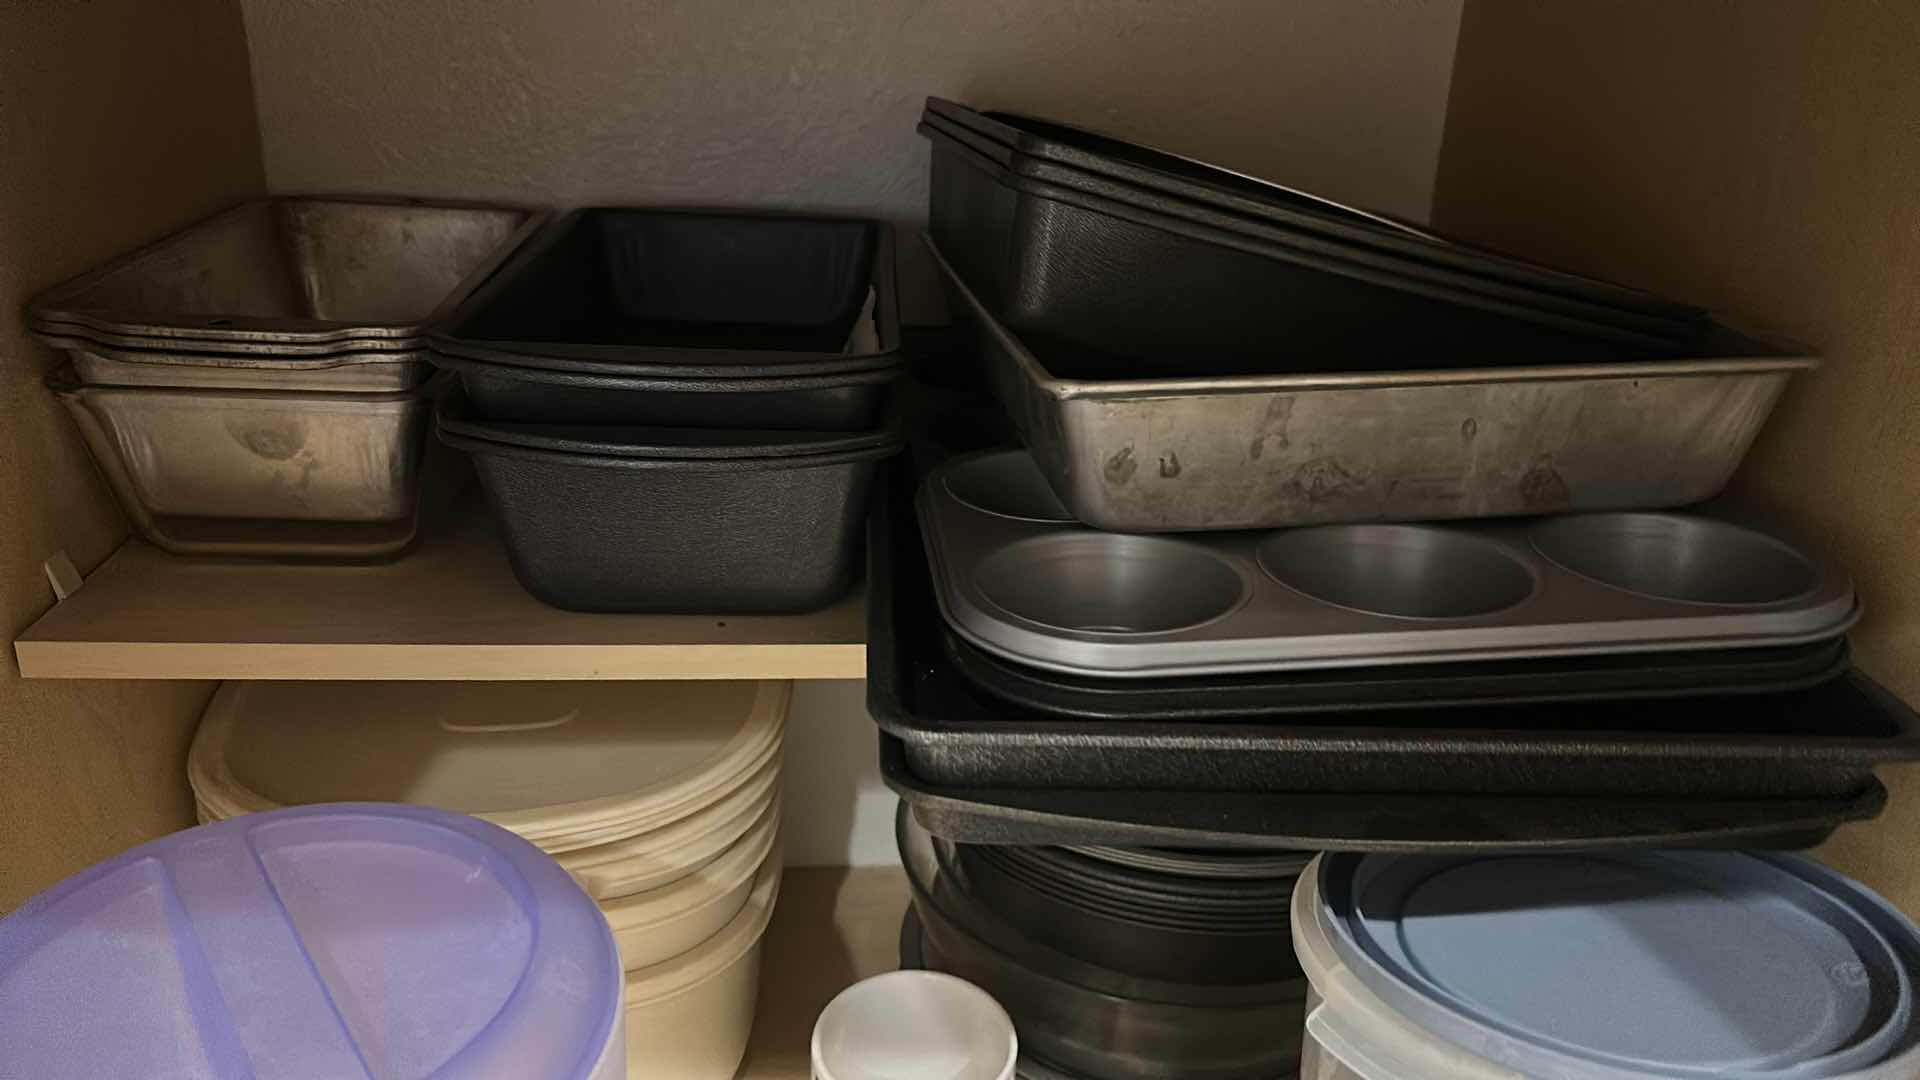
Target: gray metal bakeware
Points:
x,y
286,275
297,474
1089,1019
1017,577
1030,147
1178,447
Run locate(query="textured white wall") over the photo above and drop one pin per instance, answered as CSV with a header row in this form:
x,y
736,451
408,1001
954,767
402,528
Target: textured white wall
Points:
x,y
812,105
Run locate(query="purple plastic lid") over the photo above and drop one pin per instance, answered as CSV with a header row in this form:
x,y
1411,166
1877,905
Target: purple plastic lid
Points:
x,y
343,940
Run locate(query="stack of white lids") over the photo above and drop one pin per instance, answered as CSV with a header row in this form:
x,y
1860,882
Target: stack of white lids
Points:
x,y
660,798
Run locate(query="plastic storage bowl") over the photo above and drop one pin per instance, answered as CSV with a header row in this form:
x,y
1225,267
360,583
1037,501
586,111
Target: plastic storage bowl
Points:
x,y
1603,966
675,520
914,1025
689,1017
690,319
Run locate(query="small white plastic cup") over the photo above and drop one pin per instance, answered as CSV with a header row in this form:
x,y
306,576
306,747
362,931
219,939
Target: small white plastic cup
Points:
x,y
914,1025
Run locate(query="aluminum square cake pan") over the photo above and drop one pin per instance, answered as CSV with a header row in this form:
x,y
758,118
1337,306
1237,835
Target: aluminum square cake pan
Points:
x,y
296,271
1018,578
1173,453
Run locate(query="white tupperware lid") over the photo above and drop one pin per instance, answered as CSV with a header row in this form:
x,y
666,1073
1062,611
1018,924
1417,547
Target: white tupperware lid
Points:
x,y
643,912
714,955
1608,966
662,856
564,764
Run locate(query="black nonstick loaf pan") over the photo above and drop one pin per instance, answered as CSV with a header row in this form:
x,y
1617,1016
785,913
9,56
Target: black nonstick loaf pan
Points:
x,y
631,315
674,519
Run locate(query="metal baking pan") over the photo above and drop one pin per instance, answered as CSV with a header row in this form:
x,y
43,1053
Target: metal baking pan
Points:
x,y
913,958
367,372
1369,822
1206,452
1030,145
1133,284
1411,686
249,472
1308,281
300,272
674,520
1017,579
691,294
1821,743
514,393
1088,1018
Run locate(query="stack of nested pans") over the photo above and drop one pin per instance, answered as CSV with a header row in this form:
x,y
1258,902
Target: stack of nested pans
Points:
x,y
258,383
660,798
1160,915
1508,685
1110,246
680,411
1143,986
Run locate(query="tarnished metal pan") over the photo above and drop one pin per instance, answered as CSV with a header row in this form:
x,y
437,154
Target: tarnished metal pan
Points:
x,y
365,371
1016,579
303,272
1265,451
250,472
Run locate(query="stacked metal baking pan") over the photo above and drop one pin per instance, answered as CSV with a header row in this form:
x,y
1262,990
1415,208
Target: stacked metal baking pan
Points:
x,y
1116,963
679,410
1419,582
258,384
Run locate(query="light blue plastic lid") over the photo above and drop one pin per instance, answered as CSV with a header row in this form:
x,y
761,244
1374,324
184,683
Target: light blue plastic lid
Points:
x,y
344,940
1631,965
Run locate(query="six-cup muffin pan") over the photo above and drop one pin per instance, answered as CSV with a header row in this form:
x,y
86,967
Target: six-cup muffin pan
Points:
x,y
1017,576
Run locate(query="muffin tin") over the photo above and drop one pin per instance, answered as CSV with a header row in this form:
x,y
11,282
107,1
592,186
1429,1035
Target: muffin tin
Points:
x,y
1724,770
1017,576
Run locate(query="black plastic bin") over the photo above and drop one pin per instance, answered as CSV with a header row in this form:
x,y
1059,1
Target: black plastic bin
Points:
x,y
1169,288
701,319
674,519
1043,149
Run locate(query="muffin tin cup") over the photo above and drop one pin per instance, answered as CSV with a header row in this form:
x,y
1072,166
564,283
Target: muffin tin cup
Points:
x,y
1017,582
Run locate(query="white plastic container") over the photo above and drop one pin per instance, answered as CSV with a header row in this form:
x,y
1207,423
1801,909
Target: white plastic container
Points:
x,y
661,856
567,765
655,926
689,1018
914,1025
1602,966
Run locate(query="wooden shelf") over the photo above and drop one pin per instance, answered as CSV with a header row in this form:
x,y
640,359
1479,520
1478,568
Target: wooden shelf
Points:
x,y
831,928
449,610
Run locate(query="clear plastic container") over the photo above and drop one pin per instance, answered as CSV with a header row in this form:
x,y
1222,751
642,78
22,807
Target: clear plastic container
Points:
x,y
1602,966
351,940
